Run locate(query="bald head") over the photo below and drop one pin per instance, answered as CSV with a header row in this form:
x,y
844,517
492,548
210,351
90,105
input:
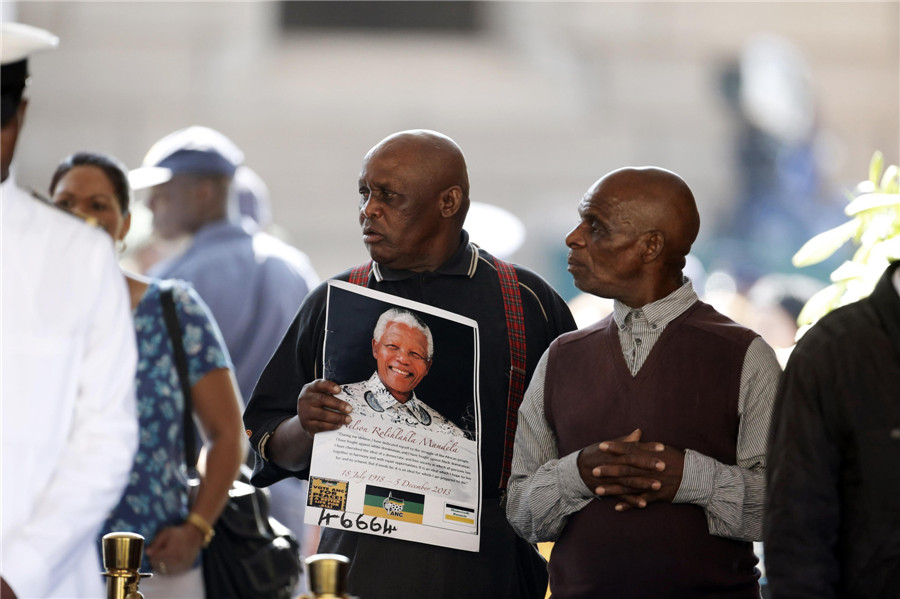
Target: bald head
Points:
x,y
438,160
414,195
656,199
636,228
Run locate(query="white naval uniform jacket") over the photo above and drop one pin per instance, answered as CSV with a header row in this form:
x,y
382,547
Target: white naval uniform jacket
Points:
x,y
68,422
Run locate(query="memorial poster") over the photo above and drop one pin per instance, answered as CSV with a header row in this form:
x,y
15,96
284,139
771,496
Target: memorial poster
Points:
x,y
408,464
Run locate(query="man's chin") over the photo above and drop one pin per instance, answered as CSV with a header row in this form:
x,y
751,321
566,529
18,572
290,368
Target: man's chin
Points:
x,y
384,258
401,396
583,283
374,252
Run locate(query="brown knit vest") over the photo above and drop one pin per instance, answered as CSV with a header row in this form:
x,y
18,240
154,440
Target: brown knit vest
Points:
x,y
685,395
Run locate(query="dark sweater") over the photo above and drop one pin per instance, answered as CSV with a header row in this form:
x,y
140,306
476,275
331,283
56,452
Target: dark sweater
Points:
x,y
832,521
383,568
685,395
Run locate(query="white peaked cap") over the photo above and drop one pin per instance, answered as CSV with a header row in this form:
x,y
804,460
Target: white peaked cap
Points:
x,y
19,41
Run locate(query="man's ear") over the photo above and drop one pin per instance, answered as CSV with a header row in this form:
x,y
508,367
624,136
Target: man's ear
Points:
x,y
451,201
653,246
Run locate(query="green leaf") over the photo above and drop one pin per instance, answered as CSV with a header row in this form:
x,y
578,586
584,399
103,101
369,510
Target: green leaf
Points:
x,y
890,182
870,201
848,270
889,249
875,166
875,231
825,244
861,188
821,304
862,253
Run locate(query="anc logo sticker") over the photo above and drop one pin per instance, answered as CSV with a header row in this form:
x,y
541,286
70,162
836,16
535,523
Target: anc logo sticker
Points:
x,y
391,503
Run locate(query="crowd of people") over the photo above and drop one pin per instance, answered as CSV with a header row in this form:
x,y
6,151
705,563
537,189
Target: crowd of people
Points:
x,y
652,447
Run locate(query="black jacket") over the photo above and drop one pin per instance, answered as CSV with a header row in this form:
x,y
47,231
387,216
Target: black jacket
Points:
x,y
832,522
506,567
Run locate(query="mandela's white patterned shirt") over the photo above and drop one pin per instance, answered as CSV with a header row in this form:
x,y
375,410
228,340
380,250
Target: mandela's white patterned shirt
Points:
x,y
371,399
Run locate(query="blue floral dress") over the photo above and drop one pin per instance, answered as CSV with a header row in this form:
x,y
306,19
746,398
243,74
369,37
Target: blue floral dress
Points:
x,y
157,492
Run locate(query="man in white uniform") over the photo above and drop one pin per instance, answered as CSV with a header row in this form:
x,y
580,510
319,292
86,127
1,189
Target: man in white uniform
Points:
x,y
68,426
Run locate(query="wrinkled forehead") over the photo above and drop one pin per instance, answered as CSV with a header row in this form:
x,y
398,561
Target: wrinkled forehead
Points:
x,y
392,157
604,197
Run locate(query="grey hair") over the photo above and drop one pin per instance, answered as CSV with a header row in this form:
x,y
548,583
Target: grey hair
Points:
x,y
403,317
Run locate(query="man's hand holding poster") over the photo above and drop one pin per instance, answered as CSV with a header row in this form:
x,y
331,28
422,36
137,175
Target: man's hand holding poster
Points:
x,y
407,466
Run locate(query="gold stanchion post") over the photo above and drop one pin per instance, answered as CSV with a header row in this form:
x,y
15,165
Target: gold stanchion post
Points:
x,y
327,576
122,554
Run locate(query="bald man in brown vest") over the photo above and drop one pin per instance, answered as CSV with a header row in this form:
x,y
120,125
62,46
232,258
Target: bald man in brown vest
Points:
x,y
642,438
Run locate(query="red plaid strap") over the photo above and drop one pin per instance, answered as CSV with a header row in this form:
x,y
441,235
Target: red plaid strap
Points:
x,y
515,328
359,275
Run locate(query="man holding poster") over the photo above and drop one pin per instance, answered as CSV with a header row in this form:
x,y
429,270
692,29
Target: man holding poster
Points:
x,y
414,195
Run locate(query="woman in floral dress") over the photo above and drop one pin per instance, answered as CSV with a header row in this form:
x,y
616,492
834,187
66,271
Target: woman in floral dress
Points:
x,y
156,503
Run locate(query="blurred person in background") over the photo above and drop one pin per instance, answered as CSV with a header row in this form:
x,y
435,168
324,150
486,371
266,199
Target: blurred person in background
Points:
x,y
832,518
783,195
252,282
251,204
156,504
68,423
659,491
251,207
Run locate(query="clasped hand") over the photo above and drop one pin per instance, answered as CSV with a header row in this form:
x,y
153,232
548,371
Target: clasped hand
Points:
x,y
635,472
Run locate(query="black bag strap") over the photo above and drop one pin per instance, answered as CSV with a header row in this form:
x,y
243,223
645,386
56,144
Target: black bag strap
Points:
x,y
167,299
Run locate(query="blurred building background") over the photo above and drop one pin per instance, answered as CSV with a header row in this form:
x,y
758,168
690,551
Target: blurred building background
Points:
x,y
769,110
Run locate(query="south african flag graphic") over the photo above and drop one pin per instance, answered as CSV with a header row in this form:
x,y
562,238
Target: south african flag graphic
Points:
x,y
394,504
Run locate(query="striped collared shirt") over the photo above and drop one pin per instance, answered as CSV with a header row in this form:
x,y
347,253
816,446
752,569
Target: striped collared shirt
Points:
x,y
641,328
